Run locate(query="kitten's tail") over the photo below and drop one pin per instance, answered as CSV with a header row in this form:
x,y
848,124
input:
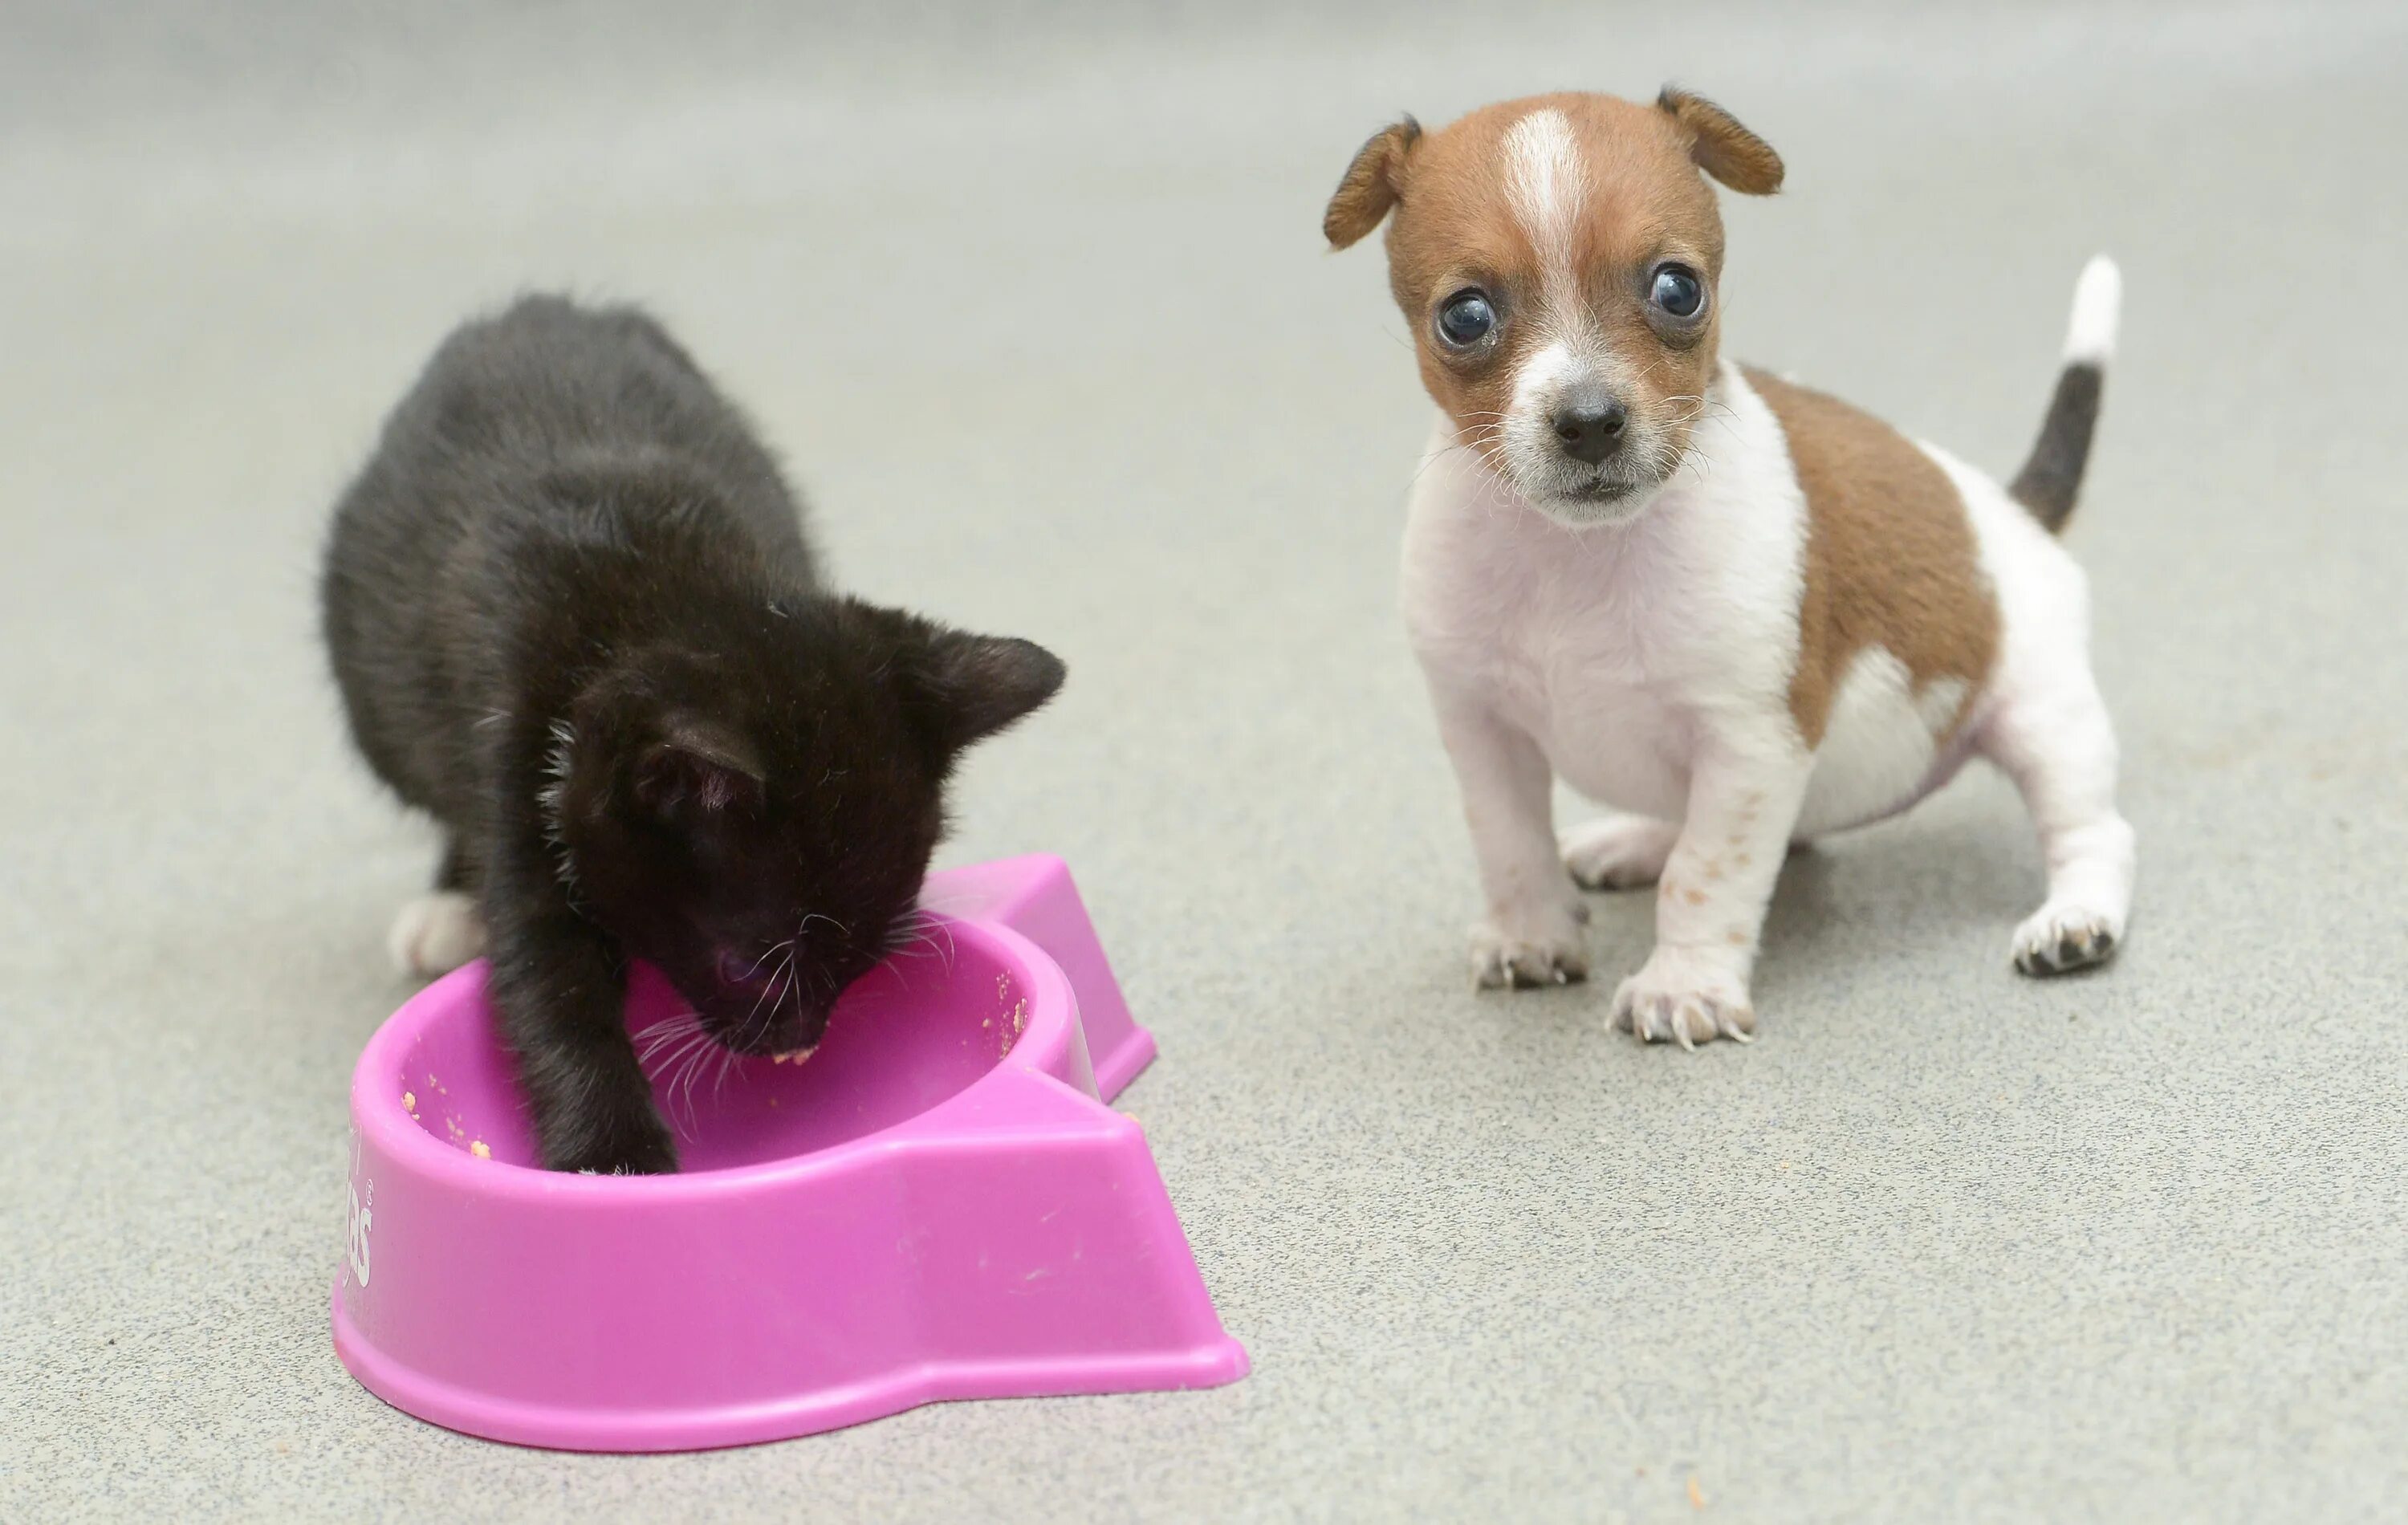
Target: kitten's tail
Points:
x,y
2052,474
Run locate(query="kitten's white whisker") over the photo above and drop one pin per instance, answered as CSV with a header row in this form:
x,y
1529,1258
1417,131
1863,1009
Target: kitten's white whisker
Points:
x,y
692,1071
686,1058
666,1033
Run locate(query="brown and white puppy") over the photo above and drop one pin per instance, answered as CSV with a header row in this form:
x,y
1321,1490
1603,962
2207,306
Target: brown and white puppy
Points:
x,y
1742,613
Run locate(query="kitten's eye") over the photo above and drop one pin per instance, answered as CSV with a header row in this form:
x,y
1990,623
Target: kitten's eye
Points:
x,y
1465,318
1678,291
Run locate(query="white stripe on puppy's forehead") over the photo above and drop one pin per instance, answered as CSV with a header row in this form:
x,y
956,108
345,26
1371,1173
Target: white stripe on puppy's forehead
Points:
x,y
1546,182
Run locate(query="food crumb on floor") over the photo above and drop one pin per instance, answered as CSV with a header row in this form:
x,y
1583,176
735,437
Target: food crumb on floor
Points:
x,y
1697,1495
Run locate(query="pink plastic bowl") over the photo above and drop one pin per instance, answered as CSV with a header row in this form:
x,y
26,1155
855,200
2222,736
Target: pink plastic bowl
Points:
x,y
937,1204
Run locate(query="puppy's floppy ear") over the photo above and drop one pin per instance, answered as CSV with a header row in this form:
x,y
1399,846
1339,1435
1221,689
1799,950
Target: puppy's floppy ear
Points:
x,y
1372,184
1720,146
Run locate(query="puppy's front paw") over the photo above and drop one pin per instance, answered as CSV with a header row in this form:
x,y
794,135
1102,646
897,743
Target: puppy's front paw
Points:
x,y
2065,935
436,934
1526,952
1619,851
1683,1002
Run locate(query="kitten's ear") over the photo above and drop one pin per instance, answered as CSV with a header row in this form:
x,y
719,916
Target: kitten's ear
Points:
x,y
960,688
971,686
699,771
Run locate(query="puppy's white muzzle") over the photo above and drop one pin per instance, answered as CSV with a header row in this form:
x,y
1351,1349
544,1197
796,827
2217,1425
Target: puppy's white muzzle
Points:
x,y
1570,443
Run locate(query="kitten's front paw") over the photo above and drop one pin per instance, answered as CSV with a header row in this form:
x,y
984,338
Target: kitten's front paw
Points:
x,y
436,934
1527,952
2063,936
1684,1001
632,1145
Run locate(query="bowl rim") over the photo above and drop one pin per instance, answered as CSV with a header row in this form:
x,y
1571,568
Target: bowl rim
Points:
x,y
380,1119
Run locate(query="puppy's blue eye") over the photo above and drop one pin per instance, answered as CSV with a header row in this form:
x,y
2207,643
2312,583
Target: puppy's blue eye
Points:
x,y
1466,319
1678,291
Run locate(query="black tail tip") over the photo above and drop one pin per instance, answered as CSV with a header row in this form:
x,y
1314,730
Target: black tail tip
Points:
x,y
2051,478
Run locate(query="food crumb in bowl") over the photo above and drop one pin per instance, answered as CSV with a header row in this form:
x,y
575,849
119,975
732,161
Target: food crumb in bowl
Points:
x,y
410,1103
1016,1024
477,1147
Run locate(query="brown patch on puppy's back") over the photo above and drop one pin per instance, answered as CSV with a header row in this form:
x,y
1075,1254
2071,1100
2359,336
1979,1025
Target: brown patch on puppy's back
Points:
x,y
1890,556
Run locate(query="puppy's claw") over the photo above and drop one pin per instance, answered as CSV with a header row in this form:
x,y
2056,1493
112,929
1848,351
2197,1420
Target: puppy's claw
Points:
x,y
1655,1006
2060,938
1510,963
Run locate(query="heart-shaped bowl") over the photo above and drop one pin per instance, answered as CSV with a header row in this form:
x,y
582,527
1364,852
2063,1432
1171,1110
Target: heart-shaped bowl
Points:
x,y
936,1204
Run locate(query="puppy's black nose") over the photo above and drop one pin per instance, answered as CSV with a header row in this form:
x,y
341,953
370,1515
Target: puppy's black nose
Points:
x,y
1589,423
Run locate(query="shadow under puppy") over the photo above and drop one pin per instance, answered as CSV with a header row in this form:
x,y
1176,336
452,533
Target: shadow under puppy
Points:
x,y
575,618
1744,613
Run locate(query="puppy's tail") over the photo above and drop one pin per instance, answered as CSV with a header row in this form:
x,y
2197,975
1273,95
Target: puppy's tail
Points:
x,y
2052,474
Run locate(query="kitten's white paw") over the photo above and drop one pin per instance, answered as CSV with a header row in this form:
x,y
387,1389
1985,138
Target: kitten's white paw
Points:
x,y
436,934
2065,935
1684,1001
1546,948
1618,851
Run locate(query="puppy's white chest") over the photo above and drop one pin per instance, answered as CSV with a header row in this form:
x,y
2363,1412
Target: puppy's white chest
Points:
x,y
1565,635
1599,687
1619,648
1613,728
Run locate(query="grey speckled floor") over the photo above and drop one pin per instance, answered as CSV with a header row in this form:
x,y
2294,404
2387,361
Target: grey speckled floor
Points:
x,y
1035,305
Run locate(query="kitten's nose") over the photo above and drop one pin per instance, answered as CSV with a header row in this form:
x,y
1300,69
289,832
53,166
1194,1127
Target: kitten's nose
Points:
x,y
745,972
1588,424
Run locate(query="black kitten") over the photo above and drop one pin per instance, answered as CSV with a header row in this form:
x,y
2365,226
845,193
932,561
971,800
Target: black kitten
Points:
x,y
575,619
